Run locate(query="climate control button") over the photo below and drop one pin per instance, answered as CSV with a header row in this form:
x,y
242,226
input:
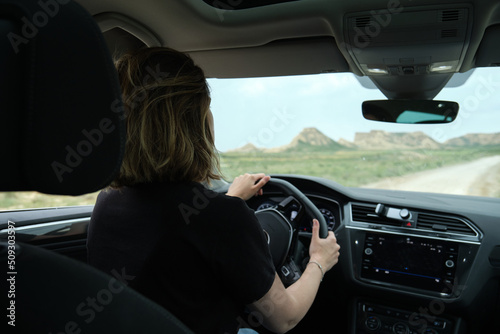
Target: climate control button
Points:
x,y
449,263
400,328
372,323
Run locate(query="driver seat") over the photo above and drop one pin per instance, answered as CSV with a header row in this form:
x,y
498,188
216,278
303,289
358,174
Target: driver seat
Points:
x,y
62,133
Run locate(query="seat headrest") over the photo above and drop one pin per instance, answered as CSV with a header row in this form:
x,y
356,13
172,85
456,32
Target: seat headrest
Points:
x,y
61,114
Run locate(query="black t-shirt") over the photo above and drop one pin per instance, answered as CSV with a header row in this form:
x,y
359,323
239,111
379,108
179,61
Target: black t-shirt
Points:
x,y
200,254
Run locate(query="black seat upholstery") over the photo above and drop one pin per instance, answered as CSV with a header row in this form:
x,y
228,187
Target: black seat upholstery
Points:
x,y
62,132
61,113
56,294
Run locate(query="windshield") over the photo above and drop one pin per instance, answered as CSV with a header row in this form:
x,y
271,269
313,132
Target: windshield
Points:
x,y
313,125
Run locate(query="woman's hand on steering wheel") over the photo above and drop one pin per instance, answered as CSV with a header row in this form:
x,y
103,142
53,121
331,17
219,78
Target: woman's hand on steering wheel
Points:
x,y
248,185
323,251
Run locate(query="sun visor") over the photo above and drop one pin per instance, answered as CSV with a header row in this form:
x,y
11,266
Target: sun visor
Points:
x,y
284,57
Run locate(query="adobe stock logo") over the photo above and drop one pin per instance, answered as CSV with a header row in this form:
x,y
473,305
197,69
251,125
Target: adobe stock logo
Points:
x,y
199,202
48,10
74,156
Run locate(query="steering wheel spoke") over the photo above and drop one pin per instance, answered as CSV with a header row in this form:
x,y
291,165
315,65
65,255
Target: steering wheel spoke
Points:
x,y
281,232
291,207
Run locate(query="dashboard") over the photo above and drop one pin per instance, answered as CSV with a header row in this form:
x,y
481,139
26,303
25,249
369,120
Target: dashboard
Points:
x,y
409,262
328,207
403,253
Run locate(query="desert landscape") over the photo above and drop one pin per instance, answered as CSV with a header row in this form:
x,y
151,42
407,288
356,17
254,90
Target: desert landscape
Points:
x,y
467,165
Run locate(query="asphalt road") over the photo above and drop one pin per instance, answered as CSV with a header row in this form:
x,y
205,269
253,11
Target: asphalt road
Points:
x,y
478,178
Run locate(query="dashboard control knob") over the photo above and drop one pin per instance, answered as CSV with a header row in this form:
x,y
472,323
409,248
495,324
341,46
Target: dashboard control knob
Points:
x,y
372,323
369,251
404,213
449,263
400,328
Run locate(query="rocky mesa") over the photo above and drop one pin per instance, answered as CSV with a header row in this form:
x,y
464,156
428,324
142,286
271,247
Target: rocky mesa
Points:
x,y
382,140
311,139
474,139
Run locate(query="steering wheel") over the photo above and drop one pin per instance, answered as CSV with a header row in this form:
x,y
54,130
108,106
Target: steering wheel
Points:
x,y
280,231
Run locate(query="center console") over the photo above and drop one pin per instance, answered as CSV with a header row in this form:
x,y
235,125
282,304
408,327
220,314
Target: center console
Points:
x,y
420,263
372,317
403,253
411,264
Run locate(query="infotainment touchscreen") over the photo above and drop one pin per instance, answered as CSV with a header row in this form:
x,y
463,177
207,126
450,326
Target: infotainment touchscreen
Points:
x,y
410,261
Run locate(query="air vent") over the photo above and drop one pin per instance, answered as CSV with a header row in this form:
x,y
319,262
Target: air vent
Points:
x,y
363,21
449,33
443,224
366,213
451,15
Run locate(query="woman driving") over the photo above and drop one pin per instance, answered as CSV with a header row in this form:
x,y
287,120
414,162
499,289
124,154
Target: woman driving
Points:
x,y
200,254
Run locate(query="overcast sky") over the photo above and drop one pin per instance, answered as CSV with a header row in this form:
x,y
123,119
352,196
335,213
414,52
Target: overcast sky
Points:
x,y
269,112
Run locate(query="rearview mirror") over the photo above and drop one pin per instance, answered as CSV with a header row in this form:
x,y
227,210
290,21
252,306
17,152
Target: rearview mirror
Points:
x,y
410,111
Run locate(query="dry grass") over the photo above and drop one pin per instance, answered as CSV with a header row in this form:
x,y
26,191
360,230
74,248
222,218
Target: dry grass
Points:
x,y
351,168
33,199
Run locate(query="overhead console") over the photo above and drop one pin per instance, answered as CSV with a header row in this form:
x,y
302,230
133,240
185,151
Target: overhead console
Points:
x,y
435,39
409,52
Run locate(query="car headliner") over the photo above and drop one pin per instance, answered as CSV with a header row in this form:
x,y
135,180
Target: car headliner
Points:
x,y
292,38
208,32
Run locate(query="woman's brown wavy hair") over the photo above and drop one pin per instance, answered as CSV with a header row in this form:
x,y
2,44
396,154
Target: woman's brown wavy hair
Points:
x,y
167,102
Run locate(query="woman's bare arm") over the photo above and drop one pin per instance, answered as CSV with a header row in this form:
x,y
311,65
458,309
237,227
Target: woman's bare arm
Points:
x,y
281,309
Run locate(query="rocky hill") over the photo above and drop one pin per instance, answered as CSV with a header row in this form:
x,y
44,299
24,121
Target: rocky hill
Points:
x,y
382,140
308,139
474,139
311,139
347,143
247,149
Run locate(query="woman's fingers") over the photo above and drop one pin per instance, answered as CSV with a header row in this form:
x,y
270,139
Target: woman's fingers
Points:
x,y
248,185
